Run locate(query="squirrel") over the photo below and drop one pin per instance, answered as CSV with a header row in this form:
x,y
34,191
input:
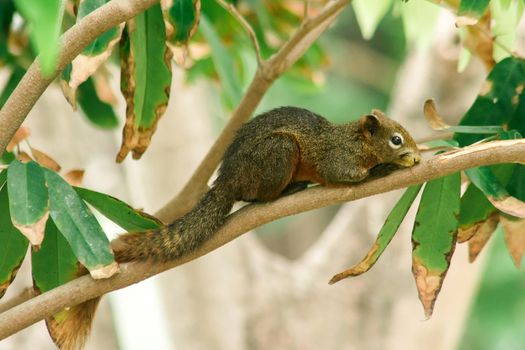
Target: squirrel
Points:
x,y
277,153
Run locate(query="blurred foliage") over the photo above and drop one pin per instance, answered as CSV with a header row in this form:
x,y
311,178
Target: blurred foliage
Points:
x,y
497,316
338,74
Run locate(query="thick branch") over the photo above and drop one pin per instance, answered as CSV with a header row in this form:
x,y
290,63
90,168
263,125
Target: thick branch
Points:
x,y
33,84
254,215
266,73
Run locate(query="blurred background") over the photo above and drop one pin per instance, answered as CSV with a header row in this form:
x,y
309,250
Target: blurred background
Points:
x,y
268,289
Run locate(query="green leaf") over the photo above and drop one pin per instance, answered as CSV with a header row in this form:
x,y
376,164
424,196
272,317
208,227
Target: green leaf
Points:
x,y
54,263
3,178
471,129
15,77
28,200
386,234
145,79
118,211
369,13
80,228
472,10
102,42
97,111
434,236
497,102
7,9
224,64
13,247
419,21
495,191
505,19
182,20
45,19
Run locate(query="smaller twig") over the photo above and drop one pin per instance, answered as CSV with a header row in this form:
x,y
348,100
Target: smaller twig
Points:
x,y
25,295
306,5
251,33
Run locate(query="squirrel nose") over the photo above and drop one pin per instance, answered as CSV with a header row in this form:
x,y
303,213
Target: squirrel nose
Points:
x,y
416,158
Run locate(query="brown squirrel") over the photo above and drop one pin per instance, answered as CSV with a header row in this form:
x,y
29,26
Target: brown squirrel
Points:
x,y
277,153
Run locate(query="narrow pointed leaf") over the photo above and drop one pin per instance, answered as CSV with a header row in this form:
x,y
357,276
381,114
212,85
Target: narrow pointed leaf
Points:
x,y
28,200
145,79
3,178
495,191
434,237
119,212
497,101
93,55
482,236
45,20
80,228
386,234
470,11
13,247
514,237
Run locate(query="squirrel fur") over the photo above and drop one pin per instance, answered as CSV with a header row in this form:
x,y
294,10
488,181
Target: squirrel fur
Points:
x,y
277,153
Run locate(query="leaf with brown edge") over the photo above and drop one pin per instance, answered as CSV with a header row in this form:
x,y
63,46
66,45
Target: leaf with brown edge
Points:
x,y
21,134
45,160
514,237
384,237
434,237
28,199
13,247
495,191
93,55
181,18
481,236
145,79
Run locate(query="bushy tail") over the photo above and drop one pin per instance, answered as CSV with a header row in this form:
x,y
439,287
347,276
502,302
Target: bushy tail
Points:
x,y
182,236
162,245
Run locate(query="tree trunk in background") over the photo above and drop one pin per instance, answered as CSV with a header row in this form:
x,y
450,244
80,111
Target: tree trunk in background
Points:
x,y
246,296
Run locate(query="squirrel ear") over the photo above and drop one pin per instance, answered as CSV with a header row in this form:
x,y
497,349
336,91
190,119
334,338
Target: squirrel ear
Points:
x,y
378,113
368,124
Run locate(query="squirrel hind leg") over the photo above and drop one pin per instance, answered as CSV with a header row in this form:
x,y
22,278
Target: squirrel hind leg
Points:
x,y
268,168
132,246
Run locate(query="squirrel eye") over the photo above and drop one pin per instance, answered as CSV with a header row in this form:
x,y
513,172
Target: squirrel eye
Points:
x,y
396,141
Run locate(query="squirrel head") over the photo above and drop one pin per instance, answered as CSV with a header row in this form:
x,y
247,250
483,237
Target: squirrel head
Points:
x,y
391,143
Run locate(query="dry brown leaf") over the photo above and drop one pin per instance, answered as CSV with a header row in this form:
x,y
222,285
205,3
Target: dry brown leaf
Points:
x,y
480,42
481,237
74,177
435,121
103,87
45,160
464,234
21,134
509,205
24,157
514,237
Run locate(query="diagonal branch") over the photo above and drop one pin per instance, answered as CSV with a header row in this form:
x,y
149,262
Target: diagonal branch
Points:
x,y
33,83
251,216
267,72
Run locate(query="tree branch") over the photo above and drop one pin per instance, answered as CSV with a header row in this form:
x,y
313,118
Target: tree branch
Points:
x,y
265,75
233,11
33,83
251,216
